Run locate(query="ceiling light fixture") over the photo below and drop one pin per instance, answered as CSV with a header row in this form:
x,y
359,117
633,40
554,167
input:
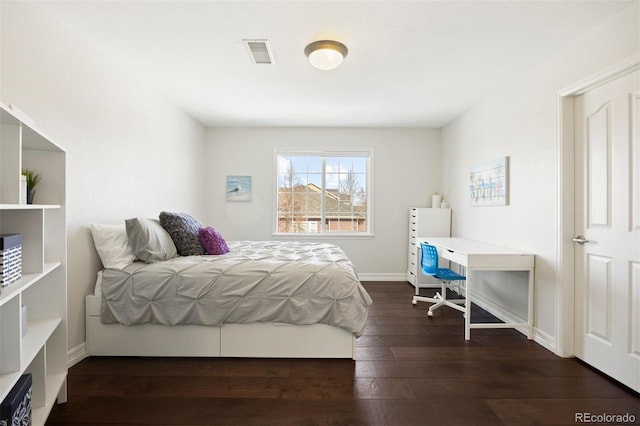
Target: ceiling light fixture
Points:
x,y
326,54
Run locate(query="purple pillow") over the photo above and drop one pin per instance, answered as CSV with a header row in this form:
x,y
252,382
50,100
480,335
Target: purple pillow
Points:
x,y
212,241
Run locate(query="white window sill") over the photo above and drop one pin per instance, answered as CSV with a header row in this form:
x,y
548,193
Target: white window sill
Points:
x,y
323,236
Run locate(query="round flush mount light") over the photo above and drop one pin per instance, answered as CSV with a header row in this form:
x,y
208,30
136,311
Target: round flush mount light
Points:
x,y
326,54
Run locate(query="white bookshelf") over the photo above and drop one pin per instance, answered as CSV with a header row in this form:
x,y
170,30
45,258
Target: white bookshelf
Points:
x,y
42,351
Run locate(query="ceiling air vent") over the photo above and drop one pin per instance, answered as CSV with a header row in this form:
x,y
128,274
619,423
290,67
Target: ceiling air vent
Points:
x,y
260,51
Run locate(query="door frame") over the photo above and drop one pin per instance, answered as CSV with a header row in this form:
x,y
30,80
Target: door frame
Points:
x,y
565,171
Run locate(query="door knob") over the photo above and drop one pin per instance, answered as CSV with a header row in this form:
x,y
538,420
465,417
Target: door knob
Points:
x,y
580,239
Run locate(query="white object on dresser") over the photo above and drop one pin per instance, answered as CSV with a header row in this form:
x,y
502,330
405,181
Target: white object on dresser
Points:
x,y
425,222
42,289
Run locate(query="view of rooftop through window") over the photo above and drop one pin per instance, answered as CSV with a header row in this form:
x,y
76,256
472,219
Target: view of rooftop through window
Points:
x,y
320,193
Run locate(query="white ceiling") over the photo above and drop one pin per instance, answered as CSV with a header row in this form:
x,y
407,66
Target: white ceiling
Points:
x,y
410,63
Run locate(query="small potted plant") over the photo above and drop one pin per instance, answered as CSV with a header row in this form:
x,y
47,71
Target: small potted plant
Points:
x,y
33,178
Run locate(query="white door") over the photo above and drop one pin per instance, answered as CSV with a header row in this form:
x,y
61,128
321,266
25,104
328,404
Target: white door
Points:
x,y
607,189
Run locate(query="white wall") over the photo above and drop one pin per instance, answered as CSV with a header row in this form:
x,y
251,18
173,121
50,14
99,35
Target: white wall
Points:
x,y
406,173
129,151
520,121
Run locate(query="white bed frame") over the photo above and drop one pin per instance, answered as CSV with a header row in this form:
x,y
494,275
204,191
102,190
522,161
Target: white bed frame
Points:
x,y
255,340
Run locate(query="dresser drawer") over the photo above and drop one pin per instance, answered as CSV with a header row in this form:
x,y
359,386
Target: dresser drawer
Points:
x,y
413,247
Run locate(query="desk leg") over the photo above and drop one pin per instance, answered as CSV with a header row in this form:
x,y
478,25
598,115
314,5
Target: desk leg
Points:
x,y
530,312
467,307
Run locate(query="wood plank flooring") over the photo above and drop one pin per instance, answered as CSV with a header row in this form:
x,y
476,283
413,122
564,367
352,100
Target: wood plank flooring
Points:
x,y
410,370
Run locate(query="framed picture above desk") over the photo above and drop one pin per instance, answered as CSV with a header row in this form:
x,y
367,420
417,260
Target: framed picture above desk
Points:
x,y
477,256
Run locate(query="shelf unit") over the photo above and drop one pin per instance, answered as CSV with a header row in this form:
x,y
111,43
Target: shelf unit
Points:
x,y
42,290
424,222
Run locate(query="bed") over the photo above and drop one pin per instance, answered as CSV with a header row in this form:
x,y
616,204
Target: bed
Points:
x,y
260,299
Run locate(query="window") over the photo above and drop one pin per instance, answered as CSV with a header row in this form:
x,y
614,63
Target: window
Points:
x,y
323,192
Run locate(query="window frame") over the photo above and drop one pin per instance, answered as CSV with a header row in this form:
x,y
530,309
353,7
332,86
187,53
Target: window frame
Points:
x,y
363,152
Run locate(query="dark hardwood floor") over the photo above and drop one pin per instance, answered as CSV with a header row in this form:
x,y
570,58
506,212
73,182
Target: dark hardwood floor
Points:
x,y
410,370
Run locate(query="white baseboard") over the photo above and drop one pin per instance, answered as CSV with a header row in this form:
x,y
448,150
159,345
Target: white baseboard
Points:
x,y
545,340
400,276
77,354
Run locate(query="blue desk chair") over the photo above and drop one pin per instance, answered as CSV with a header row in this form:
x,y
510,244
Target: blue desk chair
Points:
x,y
429,264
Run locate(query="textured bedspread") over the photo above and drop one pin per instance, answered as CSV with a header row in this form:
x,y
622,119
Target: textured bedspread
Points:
x,y
257,281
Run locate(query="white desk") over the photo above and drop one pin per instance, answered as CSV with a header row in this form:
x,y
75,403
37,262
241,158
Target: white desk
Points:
x,y
477,256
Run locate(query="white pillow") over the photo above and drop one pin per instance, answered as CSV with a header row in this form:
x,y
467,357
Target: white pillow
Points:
x,y
112,245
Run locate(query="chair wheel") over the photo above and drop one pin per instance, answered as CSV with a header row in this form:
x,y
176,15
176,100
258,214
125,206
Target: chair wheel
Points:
x,y
429,313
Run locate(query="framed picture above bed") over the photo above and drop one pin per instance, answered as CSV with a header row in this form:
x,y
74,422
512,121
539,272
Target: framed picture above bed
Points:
x,y
238,188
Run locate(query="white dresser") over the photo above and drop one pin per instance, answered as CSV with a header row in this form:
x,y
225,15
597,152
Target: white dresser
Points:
x,y
424,222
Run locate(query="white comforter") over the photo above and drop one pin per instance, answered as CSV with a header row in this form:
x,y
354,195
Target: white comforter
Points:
x,y
257,281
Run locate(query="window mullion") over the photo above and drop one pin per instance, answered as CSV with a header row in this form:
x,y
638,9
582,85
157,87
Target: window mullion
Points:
x,y
324,196
293,207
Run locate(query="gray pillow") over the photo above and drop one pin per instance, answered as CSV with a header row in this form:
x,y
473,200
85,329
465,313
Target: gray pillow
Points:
x,y
149,241
183,229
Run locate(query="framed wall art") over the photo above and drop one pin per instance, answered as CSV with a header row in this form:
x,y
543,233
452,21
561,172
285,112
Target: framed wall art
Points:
x,y
489,183
238,188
